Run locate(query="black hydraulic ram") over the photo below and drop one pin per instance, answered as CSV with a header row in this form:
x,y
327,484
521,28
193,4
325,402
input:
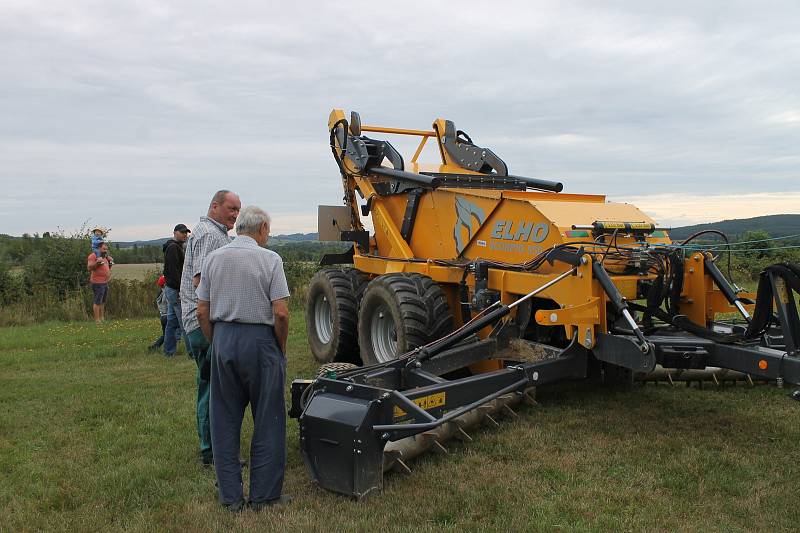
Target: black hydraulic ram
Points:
x,y
488,319
725,286
619,303
420,179
538,183
601,226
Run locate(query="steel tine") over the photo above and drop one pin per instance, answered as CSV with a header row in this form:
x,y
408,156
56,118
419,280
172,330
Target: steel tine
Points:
x,y
464,435
401,466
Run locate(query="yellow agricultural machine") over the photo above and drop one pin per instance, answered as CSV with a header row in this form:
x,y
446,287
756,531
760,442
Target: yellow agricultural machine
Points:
x,y
475,286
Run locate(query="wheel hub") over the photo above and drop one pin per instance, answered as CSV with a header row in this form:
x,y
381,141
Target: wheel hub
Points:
x,y
383,335
323,319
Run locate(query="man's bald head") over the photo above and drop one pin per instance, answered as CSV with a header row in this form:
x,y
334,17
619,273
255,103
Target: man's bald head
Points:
x,y
224,208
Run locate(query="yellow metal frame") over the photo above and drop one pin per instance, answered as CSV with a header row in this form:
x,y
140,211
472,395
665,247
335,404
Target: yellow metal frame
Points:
x,y
701,301
581,299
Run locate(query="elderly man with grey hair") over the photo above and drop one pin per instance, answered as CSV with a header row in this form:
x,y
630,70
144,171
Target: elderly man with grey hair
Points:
x,y
242,310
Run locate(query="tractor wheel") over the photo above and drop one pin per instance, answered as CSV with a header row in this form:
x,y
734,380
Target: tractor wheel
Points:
x,y
398,313
332,314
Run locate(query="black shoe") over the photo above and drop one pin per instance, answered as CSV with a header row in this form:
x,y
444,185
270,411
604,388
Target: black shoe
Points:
x,y
284,499
237,507
153,347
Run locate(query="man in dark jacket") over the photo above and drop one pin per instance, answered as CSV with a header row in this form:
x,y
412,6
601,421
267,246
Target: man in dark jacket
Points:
x,y
173,268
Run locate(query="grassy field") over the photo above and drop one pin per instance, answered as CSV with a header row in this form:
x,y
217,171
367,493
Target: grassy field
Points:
x,y
137,272
98,434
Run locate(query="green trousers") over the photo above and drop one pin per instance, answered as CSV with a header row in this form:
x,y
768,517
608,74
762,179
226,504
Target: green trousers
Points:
x,y
200,350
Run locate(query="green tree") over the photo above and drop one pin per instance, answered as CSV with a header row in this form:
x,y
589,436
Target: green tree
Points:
x,y
757,244
58,262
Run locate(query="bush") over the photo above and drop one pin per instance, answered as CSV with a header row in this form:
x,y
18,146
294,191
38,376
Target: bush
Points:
x,y
130,298
11,286
58,262
298,274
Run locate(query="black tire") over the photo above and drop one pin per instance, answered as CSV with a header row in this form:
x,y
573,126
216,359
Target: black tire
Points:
x,y
332,314
415,311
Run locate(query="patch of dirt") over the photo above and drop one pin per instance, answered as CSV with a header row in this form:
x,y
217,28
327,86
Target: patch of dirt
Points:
x,y
521,350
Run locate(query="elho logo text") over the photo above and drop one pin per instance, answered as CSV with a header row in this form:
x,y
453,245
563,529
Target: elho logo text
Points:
x,y
521,231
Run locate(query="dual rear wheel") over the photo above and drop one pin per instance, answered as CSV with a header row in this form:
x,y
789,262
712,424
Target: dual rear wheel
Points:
x,y
348,318
332,314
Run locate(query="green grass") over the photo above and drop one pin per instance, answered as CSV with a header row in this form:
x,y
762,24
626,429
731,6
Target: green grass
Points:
x,y
97,434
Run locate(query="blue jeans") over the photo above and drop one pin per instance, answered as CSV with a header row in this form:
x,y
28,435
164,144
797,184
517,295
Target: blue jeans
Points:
x,y
248,367
174,329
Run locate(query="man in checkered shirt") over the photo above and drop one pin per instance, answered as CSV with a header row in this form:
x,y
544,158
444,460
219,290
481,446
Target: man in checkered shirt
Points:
x,y
242,309
208,235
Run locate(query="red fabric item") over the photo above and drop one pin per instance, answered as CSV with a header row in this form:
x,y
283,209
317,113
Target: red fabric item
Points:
x,y
161,281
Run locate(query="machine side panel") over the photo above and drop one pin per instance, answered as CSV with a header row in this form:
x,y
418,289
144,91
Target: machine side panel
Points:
x,y
515,232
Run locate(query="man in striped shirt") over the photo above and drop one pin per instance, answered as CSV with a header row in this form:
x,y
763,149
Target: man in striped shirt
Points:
x,y
208,235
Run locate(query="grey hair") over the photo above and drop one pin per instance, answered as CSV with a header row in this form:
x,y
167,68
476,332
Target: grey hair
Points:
x,y
250,220
219,197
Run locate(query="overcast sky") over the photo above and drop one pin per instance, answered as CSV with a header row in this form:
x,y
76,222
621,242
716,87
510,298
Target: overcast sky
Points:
x,y
131,114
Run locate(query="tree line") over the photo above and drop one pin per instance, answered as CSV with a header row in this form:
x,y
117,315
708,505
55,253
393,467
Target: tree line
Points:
x,y
44,277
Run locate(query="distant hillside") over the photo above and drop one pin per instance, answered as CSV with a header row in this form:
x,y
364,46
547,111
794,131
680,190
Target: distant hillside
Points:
x,y
294,237
775,225
139,244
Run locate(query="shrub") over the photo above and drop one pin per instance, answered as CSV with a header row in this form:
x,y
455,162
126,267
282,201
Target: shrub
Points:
x,y
58,262
298,274
10,284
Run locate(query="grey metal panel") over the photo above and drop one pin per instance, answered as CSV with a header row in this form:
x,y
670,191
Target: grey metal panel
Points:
x,y
332,220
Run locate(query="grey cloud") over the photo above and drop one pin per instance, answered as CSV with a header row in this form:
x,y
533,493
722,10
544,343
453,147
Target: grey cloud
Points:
x,y
153,106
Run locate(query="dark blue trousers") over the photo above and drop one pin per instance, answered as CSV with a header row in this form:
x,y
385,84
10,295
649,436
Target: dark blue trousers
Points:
x,y
248,367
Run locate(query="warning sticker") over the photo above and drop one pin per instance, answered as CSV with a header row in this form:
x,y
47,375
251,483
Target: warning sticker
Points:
x,y
426,402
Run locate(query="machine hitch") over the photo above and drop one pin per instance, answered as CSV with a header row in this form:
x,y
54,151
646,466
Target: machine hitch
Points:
x,y
347,422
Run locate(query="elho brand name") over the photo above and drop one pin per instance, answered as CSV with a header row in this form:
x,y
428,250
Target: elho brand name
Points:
x,y
522,231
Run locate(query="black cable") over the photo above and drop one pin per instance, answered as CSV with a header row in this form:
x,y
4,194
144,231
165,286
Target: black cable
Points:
x,y
610,242
727,244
